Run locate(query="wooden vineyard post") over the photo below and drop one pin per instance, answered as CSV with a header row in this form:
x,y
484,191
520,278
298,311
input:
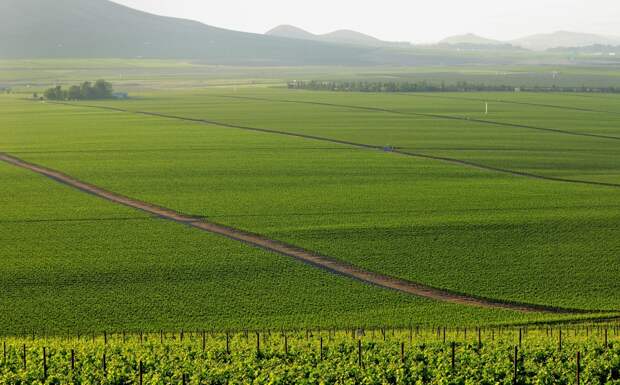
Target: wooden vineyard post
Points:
x,y
204,341
104,365
285,345
515,362
444,335
402,352
479,339
359,353
257,343
44,364
560,339
606,344
453,355
520,337
4,351
227,344
140,369
184,379
321,348
24,357
72,360
161,336
578,367
181,335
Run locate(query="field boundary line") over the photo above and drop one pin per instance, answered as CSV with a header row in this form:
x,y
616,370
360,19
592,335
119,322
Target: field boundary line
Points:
x,y
460,162
426,115
312,258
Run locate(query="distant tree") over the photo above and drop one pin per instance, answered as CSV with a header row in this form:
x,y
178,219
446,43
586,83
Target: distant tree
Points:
x,y
102,89
86,91
35,96
74,93
54,93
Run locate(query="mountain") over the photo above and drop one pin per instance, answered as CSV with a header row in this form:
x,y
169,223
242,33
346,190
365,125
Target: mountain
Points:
x,y
470,38
103,29
347,36
343,36
291,32
561,39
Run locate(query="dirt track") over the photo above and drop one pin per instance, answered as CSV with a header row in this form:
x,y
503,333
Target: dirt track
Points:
x,y
312,258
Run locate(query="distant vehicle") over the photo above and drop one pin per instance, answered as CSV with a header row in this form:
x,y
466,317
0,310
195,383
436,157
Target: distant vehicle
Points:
x,y
120,95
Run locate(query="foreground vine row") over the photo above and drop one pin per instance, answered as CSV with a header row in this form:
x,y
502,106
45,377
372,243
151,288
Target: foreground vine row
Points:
x,y
540,355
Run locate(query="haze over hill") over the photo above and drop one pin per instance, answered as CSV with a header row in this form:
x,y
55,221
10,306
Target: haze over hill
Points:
x,y
470,38
540,42
104,29
101,28
342,36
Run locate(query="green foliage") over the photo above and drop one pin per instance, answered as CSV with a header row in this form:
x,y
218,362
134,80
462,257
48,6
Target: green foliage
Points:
x,y
415,356
86,91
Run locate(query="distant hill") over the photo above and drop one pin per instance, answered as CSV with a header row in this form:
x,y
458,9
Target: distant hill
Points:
x,y
560,39
470,38
595,49
291,32
343,36
103,29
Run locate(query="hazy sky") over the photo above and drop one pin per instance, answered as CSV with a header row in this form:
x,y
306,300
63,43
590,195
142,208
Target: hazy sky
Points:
x,y
403,20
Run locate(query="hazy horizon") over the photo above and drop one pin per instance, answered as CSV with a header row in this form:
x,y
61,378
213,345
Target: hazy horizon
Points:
x,y
398,20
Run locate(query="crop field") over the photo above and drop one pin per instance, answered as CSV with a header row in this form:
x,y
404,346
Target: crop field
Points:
x,y
586,354
518,206
74,262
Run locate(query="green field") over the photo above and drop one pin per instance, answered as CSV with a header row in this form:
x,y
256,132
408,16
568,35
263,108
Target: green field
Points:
x,y
74,261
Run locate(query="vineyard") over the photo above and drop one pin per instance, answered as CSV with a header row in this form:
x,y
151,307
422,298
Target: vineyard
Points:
x,y
280,236
576,354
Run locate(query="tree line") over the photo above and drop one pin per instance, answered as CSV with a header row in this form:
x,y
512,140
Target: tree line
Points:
x,y
424,86
85,91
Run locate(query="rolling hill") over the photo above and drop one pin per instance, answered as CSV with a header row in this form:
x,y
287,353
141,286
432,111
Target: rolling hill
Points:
x,y
470,38
103,29
342,36
562,39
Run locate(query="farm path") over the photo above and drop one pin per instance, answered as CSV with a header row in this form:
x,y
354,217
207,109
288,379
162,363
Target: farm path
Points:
x,y
317,260
460,162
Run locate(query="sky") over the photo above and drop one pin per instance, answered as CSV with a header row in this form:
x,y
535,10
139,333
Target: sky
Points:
x,y
418,21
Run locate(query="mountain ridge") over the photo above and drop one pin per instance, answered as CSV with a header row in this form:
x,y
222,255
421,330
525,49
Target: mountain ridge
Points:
x,y
341,36
470,38
563,39
104,29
